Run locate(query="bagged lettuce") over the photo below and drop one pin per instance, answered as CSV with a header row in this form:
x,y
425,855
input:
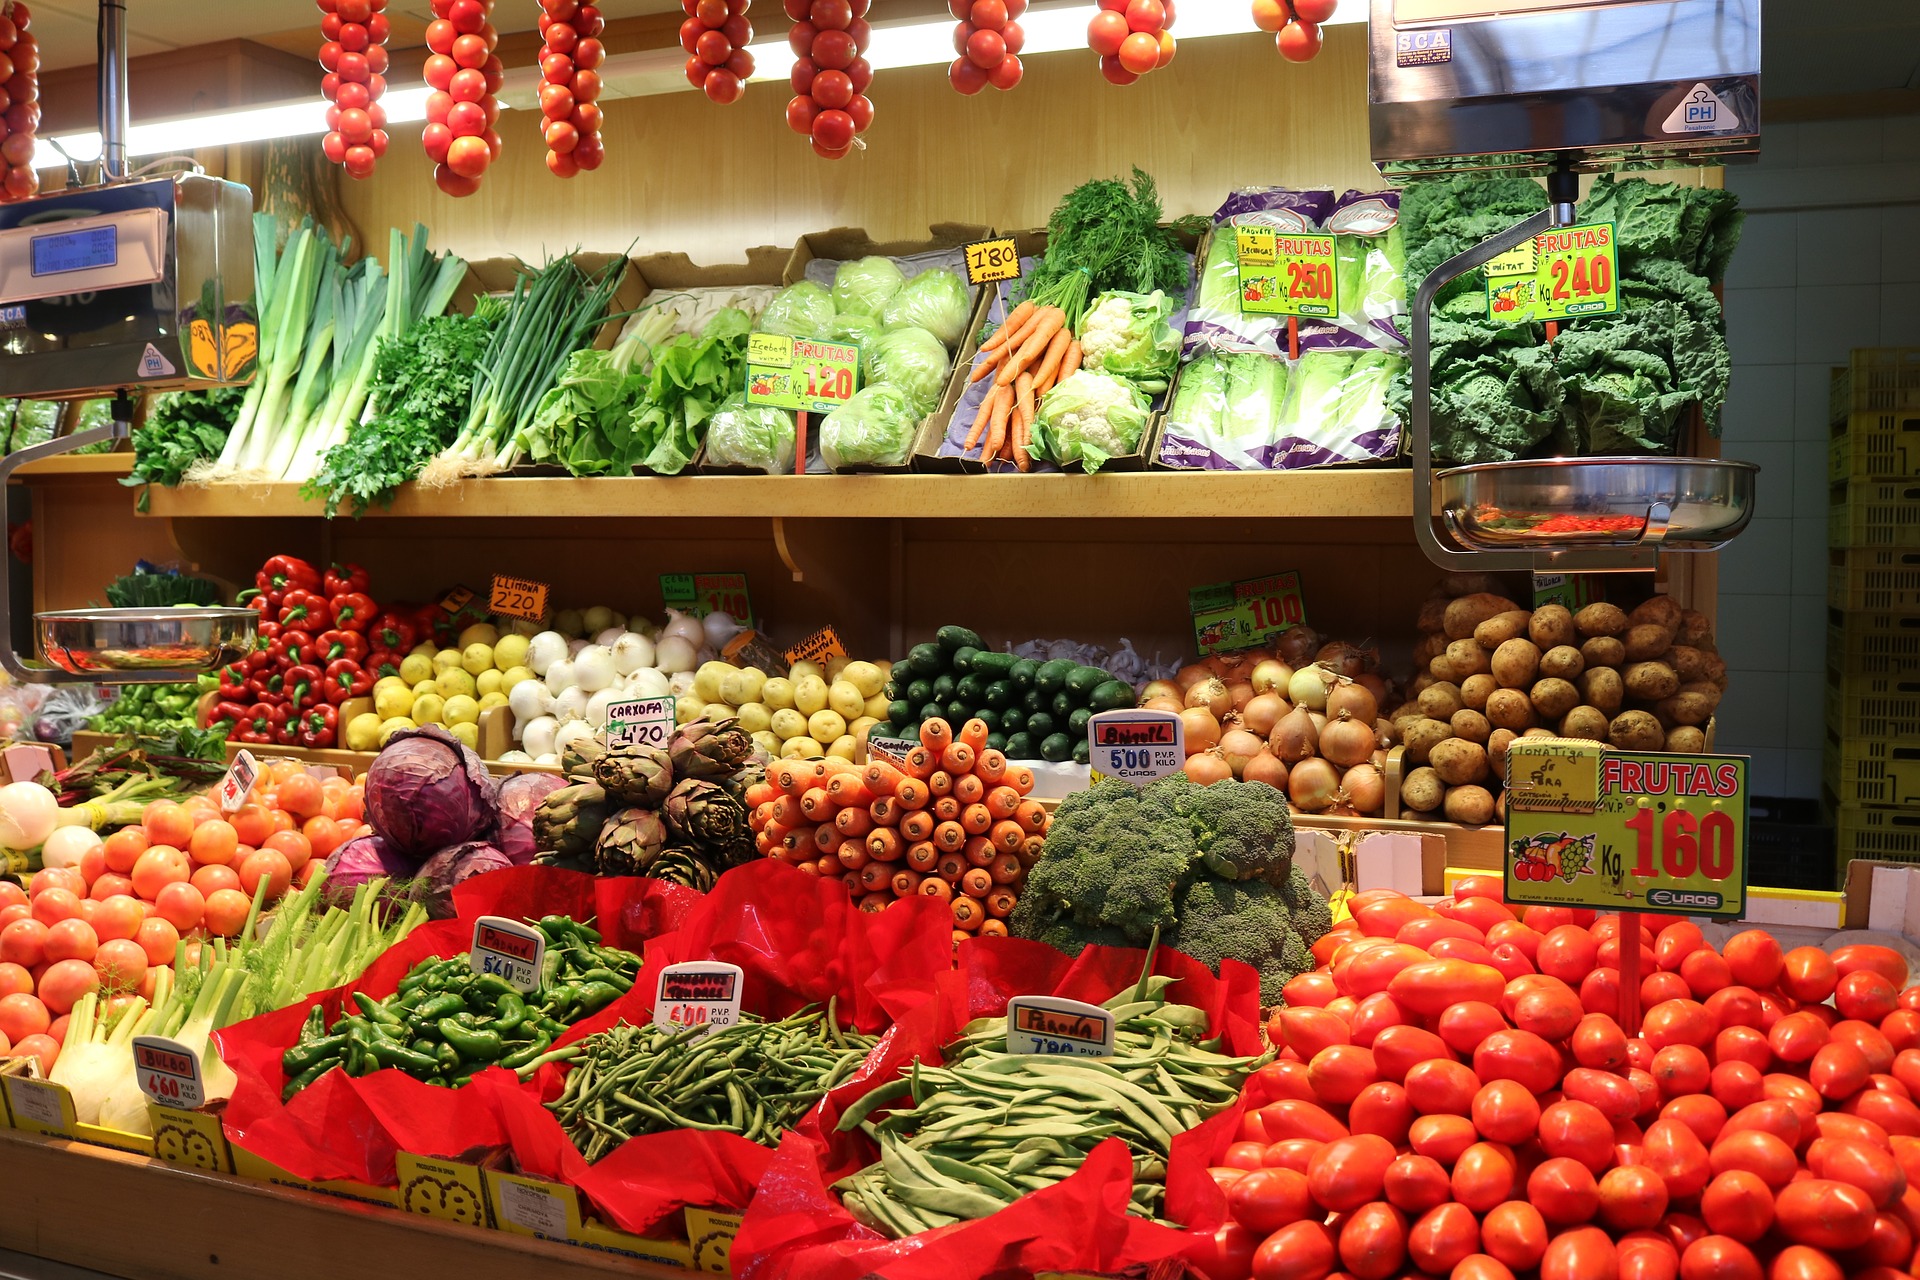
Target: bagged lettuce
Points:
x,y
864,286
935,300
1225,411
803,310
874,429
757,436
1090,419
1338,412
911,360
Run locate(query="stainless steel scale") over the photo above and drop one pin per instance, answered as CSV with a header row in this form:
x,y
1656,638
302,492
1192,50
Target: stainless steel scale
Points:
x,y
108,288
1560,88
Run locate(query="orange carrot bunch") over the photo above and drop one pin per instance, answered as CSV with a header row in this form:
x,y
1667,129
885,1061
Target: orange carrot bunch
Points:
x,y
952,821
1026,357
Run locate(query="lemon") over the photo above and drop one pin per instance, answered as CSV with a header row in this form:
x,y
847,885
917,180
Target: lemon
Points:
x,y
390,727
488,701
476,658
416,666
363,732
489,681
429,708
467,734
425,687
509,651
389,682
512,675
454,681
479,633
394,701
447,660
460,709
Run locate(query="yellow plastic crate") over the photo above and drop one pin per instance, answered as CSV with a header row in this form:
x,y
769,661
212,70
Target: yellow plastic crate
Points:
x,y
1874,445
1881,379
1873,644
1887,835
1867,581
1871,708
1875,513
1883,772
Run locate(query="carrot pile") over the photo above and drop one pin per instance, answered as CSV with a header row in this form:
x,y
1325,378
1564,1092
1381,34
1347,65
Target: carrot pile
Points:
x,y
950,821
1026,357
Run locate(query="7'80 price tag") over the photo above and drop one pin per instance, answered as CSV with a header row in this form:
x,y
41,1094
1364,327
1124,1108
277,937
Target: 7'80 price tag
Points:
x,y
698,993
168,1072
509,950
1052,1025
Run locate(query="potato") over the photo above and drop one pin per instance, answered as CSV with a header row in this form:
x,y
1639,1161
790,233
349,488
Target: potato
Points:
x,y
1422,790
1584,722
1686,740
1424,680
1537,732
1471,806
1554,697
1468,612
1716,670
1459,762
1405,711
1564,661
1647,641
1470,725
1468,659
1441,700
1429,645
1423,735
1440,667
1497,743
1603,651
1510,709
1433,613
1661,609
1651,681
1687,662
1465,584
1694,704
1636,731
1474,690
1696,629
1497,630
1600,619
1515,663
1600,687
1551,625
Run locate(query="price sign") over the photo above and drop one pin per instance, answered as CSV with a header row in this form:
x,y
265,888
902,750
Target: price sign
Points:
x,y
697,993
1051,1025
456,600
705,593
1287,273
893,751
640,722
991,260
517,598
1241,615
238,782
1575,591
1663,833
508,950
801,373
168,1072
818,647
1563,274
1136,746
40,1105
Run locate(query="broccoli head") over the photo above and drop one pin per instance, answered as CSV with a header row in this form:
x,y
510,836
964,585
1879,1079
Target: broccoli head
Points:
x,y
1240,830
1114,858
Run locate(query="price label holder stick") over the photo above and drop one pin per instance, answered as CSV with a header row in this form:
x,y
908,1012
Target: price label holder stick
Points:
x,y
800,443
1293,337
235,787
698,993
509,950
168,1073
1057,1027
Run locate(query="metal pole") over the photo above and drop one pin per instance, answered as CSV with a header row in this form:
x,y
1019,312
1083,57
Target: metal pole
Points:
x,y
111,47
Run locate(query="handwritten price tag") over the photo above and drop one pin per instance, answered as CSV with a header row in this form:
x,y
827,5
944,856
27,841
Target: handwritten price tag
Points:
x,y
818,647
801,373
168,1072
238,782
705,593
456,600
893,751
1065,1028
1137,746
1239,615
517,598
508,950
640,722
1287,273
40,1105
992,260
698,993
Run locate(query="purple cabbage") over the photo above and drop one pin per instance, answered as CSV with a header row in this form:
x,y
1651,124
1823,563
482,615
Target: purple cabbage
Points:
x,y
365,858
425,791
519,796
449,867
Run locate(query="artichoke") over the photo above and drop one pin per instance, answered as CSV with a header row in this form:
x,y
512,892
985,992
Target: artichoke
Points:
x,y
569,820
635,776
704,815
710,749
629,843
683,866
578,760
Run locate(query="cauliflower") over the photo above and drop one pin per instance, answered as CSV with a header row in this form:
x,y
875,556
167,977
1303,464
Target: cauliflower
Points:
x,y
1088,419
1127,335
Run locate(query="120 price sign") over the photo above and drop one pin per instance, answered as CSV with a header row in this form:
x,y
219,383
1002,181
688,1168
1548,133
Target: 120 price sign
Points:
x,y
801,374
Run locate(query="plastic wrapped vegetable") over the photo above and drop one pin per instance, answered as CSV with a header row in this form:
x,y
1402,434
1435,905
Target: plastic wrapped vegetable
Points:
x,y
935,300
756,436
426,791
1127,335
803,310
874,429
913,361
862,331
1090,418
864,286
1338,411
33,423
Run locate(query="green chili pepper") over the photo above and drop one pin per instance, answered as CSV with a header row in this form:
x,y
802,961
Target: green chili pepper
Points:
x,y
308,1076
521,1057
479,1046
302,1056
441,1006
595,996
389,1054
509,1012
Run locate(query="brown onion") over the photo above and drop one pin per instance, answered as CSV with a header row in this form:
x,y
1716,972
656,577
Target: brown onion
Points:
x,y
1216,665
1294,738
1207,768
1346,741
1272,674
1365,789
1313,786
1310,686
1375,685
1239,666
1386,731
1163,704
1379,761
1266,767
1352,698
1319,723
1296,645
1160,689
1240,693
1262,712
1238,746
1348,659
1202,730
1189,676
1212,694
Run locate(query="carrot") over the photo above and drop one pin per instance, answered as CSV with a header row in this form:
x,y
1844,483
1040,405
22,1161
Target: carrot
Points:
x,y
968,789
922,856
1049,324
817,805
853,854
1003,398
874,876
989,362
1023,396
881,778
1007,868
853,822
957,758
885,811
951,867
974,734
758,794
935,887
1015,319
1030,851
1022,448
981,420
1006,836
940,782
905,883
828,867
849,789
919,763
1017,335
786,812
990,767
950,837
917,825
1020,778
873,903
980,851
1056,352
1002,803
826,838
992,928
1032,817
976,883
967,915
911,795
1071,364
1000,902
976,819
946,808
884,844
935,734
787,775
797,840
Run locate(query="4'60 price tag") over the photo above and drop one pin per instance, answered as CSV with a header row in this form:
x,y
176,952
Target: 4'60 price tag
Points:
x,y
517,598
1052,1025
992,260
509,950
168,1072
698,993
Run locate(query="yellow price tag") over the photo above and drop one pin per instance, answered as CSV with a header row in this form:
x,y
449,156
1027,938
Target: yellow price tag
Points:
x,y
992,260
821,646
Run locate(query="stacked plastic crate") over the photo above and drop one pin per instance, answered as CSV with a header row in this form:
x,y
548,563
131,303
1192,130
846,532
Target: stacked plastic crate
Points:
x,y
1873,614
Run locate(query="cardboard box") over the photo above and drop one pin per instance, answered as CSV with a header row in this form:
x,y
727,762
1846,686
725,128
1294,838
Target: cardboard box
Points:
x,y
192,1139
248,1165
545,1210
710,1235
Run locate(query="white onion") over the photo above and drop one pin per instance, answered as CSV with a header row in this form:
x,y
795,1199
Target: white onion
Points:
x,y
544,650
570,733
1308,687
28,812
647,683
593,668
597,706
719,628
559,675
515,757
610,635
571,705
685,626
575,646
599,618
529,700
674,653
631,651
537,736
67,845
680,684
551,758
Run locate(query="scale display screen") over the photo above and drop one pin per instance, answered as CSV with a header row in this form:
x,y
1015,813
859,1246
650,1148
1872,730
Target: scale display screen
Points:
x,y
76,250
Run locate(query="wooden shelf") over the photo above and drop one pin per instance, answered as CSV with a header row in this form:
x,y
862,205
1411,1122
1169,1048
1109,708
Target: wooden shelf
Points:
x,y
112,465
1134,496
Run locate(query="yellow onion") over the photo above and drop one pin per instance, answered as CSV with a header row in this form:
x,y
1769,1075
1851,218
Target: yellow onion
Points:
x,y
1313,786
1351,698
1272,674
1365,789
1346,741
1266,767
1202,730
1162,703
1212,694
1294,738
1160,689
1262,712
1207,768
1237,747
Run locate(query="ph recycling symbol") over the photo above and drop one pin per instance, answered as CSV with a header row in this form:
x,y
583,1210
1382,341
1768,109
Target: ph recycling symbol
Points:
x,y
1701,110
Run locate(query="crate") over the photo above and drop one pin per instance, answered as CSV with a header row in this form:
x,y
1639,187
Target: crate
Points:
x,y
1789,844
1838,388
1873,581
1883,771
1872,644
1870,708
1875,513
1880,380
1874,446
1885,835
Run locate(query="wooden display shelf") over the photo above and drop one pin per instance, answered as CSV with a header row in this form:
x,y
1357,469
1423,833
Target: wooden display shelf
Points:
x,y
185,1224
78,464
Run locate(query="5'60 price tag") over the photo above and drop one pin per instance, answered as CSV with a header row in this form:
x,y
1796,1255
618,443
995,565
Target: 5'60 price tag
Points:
x,y
1051,1025
235,787
991,260
517,598
698,993
509,950
168,1072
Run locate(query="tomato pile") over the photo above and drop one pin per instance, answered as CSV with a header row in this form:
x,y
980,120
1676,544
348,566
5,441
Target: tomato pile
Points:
x,y
464,73
20,100
570,58
1296,24
715,36
354,57
830,77
187,871
988,38
1132,37
1457,1097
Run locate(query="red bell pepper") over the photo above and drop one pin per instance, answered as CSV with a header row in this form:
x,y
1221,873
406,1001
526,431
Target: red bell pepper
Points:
x,y
392,629
233,681
230,712
259,662
342,578
353,610
264,605
381,663
333,645
346,679
292,645
306,610
283,574
265,722
305,687
318,727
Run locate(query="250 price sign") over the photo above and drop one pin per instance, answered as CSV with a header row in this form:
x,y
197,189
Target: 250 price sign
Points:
x,y
1287,273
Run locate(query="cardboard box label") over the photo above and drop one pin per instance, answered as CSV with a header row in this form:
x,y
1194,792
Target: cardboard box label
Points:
x,y
40,1106
189,1138
711,1232
443,1189
529,1207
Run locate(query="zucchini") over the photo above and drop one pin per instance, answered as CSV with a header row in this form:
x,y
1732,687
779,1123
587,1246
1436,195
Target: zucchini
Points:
x,y
932,711
988,717
943,687
1056,748
1041,725
1082,681
994,665
1020,746
1063,704
999,695
882,730
957,713
1077,722
899,711
1082,751
1022,673
1013,719
963,658
953,639
1052,676
998,742
926,660
1114,695
919,690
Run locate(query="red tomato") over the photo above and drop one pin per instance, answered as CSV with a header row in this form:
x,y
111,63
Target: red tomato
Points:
x,y
1612,1095
1483,914
1744,1044
1106,32
167,823
1515,1233
1348,1172
1866,993
1520,1056
1705,972
1678,1022
1568,953
1382,1108
1511,932
1823,1213
1681,1069
226,912
1675,1152
1775,1116
1564,1191
1505,1111
1464,1025
158,939
1292,1118
160,866
1244,1156
118,917
1485,1175
1290,1153
1754,958
45,1048
51,906
1738,1204
253,824
1632,1198
1660,987
24,942
108,885
1417,1184
1809,974
72,940
1600,992
1398,1050
1583,1254
15,979
1479,1266
64,982
1798,1262
1308,990
1550,1011
269,865
11,894
1510,961
1360,973
1373,1242
1268,1199
213,844
22,1015
211,879
1382,913
1872,1043
1441,1086
1298,1251
121,964
125,846
1599,1043
1308,1031
1719,1257
1676,942
1227,1254
1378,1012
1443,1238
1424,931
1442,1137
1891,1112
1889,963
1871,1169
1890,1247
1578,1131
1646,1256
1839,1070
1833,1124
18,911
1757,1152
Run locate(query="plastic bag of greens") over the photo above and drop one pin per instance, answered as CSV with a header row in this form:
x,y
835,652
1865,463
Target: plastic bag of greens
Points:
x,y
34,422
865,285
1089,419
1215,319
1224,412
756,436
911,360
1127,335
803,310
861,331
936,301
1338,412
90,415
874,429
1370,264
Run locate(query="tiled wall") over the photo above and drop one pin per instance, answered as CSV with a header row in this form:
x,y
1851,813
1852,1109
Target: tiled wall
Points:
x,y
1829,261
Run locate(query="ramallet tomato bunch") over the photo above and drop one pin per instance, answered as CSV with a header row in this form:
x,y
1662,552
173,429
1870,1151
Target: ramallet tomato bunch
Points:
x,y
19,101
830,75
354,56
1132,37
715,36
1456,1096
1295,24
988,37
570,58
464,73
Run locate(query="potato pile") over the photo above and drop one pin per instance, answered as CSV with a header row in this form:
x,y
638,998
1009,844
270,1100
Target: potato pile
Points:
x,y
1648,680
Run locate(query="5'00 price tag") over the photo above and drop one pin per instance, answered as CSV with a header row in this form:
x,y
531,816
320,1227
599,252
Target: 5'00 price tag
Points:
x,y
509,950
698,993
168,1072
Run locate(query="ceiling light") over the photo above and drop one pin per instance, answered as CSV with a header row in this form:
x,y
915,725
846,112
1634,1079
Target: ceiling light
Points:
x,y
306,117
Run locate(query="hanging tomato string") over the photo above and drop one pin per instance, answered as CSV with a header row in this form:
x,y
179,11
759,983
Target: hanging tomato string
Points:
x,y
1132,37
464,73
830,77
354,56
20,94
988,39
570,58
715,36
1296,24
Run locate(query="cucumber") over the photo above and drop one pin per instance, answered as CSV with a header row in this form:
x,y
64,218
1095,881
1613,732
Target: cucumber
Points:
x,y
899,711
957,713
926,660
1082,751
998,742
1056,747
882,730
1077,722
1041,725
1013,719
999,695
919,691
1022,673
1021,746
894,689
932,711
1063,704
963,658
972,687
943,687
1052,676
1082,681
988,717
993,665
1114,695
953,639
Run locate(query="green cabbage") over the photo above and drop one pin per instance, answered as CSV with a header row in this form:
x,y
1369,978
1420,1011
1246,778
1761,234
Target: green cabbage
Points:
x,y
913,362
864,285
803,310
874,429
757,436
1089,419
934,300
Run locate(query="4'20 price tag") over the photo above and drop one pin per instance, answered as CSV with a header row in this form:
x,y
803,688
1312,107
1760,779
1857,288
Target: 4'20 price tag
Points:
x,y
698,993
509,950
168,1072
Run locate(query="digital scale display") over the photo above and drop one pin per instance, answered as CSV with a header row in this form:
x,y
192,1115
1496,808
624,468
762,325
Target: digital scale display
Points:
x,y
76,250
